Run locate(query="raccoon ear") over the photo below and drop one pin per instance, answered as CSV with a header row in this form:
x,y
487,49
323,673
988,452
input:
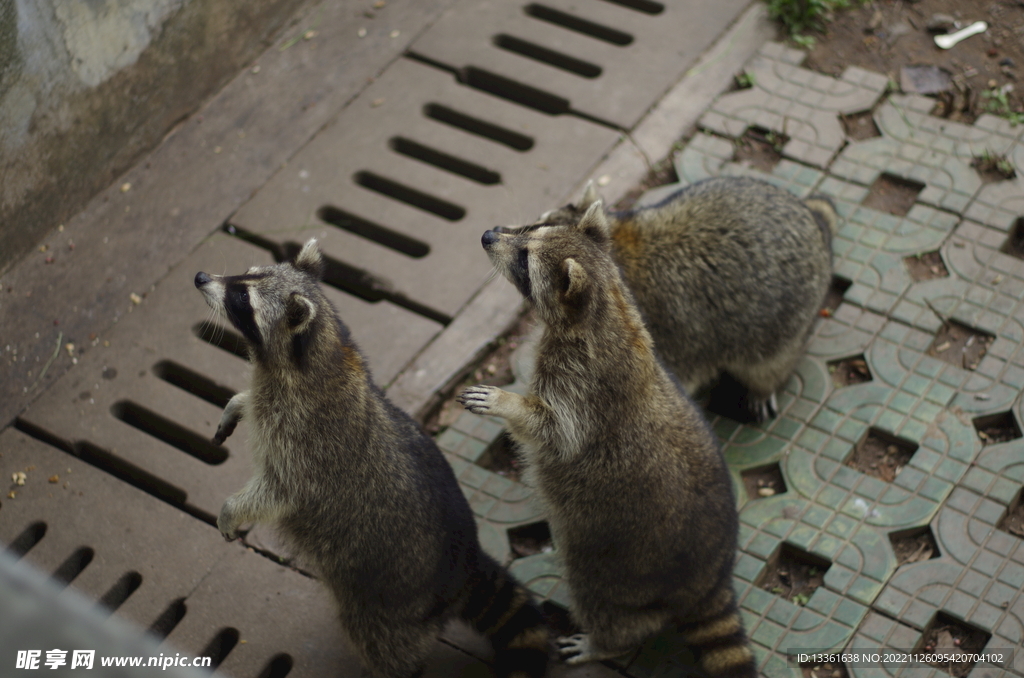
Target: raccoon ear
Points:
x,y
574,280
594,224
590,196
310,260
300,312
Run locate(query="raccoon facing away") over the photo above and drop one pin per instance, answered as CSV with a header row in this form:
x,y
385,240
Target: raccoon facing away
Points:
x,y
638,497
356,487
729,274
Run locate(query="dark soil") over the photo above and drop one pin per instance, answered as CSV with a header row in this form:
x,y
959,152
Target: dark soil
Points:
x,y
794,574
997,428
892,195
960,345
494,369
860,126
763,481
500,457
530,540
1013,521
849,371
881,456
926,266
886,35
759,149
834,296
946,635
1014,245
824,670
993,167
914,546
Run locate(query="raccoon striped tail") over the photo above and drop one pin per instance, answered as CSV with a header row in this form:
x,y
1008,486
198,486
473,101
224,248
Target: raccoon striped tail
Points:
x,y
503,610
721,643
825,215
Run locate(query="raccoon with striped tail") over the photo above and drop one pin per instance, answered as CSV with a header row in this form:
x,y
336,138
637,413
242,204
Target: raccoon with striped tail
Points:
x,y
729,274
638,497
356,487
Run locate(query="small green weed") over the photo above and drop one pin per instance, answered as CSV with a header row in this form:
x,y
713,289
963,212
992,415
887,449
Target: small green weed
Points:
x,y
997,102
800,16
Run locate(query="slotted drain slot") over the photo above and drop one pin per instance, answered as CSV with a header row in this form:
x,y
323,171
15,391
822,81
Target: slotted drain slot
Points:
x,y
645,6
278,667
128,583
444,161
119,468
513,91
575,23
29,537
73,566
547,56
410,196
371,231
169,431
481,128
221,337
168,619
193,382
221,646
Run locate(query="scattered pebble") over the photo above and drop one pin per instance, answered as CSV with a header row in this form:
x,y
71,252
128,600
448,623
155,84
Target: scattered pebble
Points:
x,y
255,69
19,477
136,299
604,180
395,33
377,102
54,478
309,35
766,491
361,32
125,187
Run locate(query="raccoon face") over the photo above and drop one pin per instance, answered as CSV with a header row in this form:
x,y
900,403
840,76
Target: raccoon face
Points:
x,y
551,265
272,306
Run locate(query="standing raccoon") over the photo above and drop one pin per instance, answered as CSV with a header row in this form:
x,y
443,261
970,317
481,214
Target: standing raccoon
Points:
x,y
355,486
729,274
639,499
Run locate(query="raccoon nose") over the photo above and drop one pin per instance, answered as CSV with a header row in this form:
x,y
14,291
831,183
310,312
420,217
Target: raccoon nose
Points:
x,y
202,279
489,238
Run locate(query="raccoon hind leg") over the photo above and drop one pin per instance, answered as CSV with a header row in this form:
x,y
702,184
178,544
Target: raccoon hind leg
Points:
x,y
389,648
747,391
611,633
718,636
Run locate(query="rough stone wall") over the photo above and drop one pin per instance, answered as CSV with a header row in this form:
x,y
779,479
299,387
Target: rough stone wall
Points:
x,y
87,86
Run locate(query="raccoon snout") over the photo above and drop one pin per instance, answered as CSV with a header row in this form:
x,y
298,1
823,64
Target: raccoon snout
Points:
x,y
202,279
489,238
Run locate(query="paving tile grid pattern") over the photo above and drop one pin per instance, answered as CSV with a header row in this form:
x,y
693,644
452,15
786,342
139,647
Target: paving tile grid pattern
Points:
x,y
956,484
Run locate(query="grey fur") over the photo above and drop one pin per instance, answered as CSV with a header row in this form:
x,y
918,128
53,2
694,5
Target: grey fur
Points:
x,y
638,497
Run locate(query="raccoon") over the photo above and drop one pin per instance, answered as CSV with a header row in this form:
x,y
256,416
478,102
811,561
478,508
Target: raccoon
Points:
x,y
638,497
356,487
729,274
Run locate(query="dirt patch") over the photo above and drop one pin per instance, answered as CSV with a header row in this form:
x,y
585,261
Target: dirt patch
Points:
x,y
763,481
794,574
948,636
834,296
886,35
759,149
1013,521
960,345
881,455
997,428
860,126
494,369
849,371
501,457
913,546
992,167
892,195
825,670
529,540
926,266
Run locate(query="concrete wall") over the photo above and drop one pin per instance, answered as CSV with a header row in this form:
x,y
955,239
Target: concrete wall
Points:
x,y
87,86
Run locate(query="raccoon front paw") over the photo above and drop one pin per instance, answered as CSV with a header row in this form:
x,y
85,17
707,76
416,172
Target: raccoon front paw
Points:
x,y
579,649
224,429
480,399
227,523
763,410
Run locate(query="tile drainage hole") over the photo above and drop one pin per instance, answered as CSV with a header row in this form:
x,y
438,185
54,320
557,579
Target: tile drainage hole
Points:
x,y
834,296
516,92
168,619
410,196
849,371
881,454
374,232
170,432
1014,245
221,646
481,128
947,635
442,160
794,574
577,24
997,428
763,481
193,382
914,545
1013,519
547,56
279,666
645,6
122,589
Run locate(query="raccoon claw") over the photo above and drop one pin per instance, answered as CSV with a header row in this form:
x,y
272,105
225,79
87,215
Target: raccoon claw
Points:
x,y
479,399
578,649
764,410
